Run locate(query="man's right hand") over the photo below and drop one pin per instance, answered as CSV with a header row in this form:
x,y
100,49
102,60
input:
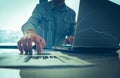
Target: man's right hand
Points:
x,y
25,43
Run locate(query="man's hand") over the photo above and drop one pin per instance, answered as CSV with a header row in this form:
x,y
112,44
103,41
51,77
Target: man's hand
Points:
x,y
25,43
68,40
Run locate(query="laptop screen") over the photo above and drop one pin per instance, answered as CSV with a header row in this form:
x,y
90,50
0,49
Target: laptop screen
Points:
x,y
94,28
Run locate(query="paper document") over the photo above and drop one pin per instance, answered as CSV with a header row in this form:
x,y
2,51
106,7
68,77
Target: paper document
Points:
x,y
53,58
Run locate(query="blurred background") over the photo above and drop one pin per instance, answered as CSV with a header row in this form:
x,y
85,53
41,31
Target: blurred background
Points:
x,y
14,13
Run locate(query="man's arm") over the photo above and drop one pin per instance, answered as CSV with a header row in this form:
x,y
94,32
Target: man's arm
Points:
x,y
70,35
30,35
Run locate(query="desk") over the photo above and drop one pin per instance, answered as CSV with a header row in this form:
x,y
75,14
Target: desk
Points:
x,y
107,65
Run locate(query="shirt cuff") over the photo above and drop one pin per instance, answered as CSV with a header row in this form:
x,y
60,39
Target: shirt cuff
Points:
x,y
27,26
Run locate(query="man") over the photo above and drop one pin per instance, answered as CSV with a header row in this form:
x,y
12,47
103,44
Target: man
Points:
x,y
49,24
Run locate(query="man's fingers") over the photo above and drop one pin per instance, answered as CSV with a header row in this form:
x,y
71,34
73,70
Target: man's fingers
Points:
x,y
25,46
20,47
29,46
40,44
25,43
42,41
70,40
38,47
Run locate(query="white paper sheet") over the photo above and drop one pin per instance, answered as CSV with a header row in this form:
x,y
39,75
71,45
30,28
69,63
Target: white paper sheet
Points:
x,y
47,59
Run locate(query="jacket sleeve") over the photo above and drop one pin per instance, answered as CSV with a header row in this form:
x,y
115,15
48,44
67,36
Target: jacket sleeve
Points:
x,y
34,21
72,25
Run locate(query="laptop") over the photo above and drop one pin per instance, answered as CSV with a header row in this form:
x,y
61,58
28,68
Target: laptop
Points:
x,y
90,40
95,32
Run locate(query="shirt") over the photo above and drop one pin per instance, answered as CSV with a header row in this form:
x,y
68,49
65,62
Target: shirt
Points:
x,y
51,24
